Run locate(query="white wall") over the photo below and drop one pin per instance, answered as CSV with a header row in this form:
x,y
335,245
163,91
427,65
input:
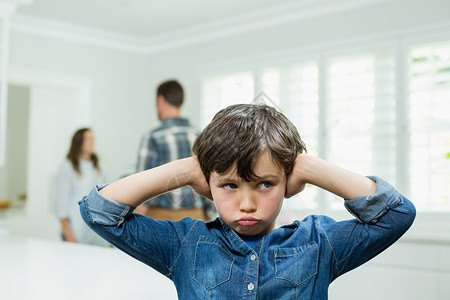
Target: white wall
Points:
x,y
404,271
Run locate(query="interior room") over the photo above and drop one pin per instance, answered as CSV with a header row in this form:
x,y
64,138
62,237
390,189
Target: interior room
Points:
x,y
367,84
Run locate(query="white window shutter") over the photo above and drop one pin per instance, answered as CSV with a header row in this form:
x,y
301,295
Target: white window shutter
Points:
x,y
429,102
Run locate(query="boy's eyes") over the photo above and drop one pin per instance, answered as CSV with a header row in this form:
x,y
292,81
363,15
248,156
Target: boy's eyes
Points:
x,y
232,186
265,185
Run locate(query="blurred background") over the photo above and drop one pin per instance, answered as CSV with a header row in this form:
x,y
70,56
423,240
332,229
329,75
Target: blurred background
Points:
x,y
366,82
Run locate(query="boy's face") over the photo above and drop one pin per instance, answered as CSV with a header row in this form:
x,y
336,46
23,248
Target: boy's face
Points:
x,y
250,208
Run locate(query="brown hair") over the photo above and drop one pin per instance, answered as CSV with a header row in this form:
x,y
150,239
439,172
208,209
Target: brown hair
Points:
x,y
239,133
75,151
172,91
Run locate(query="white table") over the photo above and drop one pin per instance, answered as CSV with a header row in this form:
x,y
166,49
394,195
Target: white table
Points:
x,y
41,269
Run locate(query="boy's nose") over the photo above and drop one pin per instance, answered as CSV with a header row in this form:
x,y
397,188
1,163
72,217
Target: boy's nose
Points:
x,y
247,203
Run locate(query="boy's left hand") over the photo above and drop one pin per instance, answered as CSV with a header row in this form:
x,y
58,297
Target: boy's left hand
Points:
x,y
295,182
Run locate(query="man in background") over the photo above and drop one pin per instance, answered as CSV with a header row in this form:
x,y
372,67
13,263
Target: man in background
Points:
x,y
172,140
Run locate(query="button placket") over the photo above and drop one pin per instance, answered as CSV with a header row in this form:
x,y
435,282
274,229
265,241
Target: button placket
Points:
x,y
252,279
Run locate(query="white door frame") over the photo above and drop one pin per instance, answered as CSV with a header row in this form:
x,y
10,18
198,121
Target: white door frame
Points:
x,y
31,222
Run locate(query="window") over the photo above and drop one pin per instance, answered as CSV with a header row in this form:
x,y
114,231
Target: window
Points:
x,y
220,91
429,102
345,108
361,114
295,90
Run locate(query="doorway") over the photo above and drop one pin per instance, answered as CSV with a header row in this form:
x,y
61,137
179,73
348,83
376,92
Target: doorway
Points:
x,y
47,114
13,179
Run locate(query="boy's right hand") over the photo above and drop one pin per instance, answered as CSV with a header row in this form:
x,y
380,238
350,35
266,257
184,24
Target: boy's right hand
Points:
x,y
197,180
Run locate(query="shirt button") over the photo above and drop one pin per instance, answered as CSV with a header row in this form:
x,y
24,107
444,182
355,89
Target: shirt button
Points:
x,y
250,286
253,257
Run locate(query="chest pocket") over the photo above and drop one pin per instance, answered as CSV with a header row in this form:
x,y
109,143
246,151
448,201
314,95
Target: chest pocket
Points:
x,y
212,265
296,265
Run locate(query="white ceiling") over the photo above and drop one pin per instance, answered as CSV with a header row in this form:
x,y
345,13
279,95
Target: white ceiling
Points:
x,y
147,26
146,18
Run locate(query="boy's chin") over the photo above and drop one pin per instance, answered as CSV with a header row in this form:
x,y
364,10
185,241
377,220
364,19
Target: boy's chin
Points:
x,y
250,231
244,231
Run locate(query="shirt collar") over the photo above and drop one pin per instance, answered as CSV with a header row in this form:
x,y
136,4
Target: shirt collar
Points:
x,y
234,239
175,121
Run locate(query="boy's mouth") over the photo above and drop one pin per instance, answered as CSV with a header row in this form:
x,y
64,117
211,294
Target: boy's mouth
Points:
x,y
247,221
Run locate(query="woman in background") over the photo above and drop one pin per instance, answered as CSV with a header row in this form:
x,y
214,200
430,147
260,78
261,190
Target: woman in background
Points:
x,y
76,177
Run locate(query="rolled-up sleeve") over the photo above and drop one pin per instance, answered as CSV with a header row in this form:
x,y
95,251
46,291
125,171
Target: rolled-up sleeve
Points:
x,y
95,209
381,219
369,209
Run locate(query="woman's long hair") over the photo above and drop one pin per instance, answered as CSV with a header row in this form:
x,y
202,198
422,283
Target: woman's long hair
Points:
x,y
75,151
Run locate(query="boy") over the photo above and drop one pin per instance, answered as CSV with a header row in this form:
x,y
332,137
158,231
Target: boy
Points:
x,y
247,160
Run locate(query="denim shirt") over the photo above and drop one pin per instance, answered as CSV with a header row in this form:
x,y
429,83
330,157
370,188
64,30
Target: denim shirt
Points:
x,y
296,261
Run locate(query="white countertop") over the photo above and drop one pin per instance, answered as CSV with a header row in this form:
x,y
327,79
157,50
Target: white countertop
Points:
x,y
42,269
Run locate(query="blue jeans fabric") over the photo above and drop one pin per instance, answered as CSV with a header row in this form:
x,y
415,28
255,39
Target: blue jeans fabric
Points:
x,y
296,261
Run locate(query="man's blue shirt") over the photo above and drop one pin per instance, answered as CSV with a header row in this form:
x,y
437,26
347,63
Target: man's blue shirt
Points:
x,y
296,261
172,140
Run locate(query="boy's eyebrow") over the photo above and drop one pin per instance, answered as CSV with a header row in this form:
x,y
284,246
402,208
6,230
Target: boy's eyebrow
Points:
x,y
263,177
267,176
226,179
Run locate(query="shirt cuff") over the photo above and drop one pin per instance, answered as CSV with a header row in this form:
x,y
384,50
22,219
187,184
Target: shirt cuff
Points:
x,y
104,211
369,209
